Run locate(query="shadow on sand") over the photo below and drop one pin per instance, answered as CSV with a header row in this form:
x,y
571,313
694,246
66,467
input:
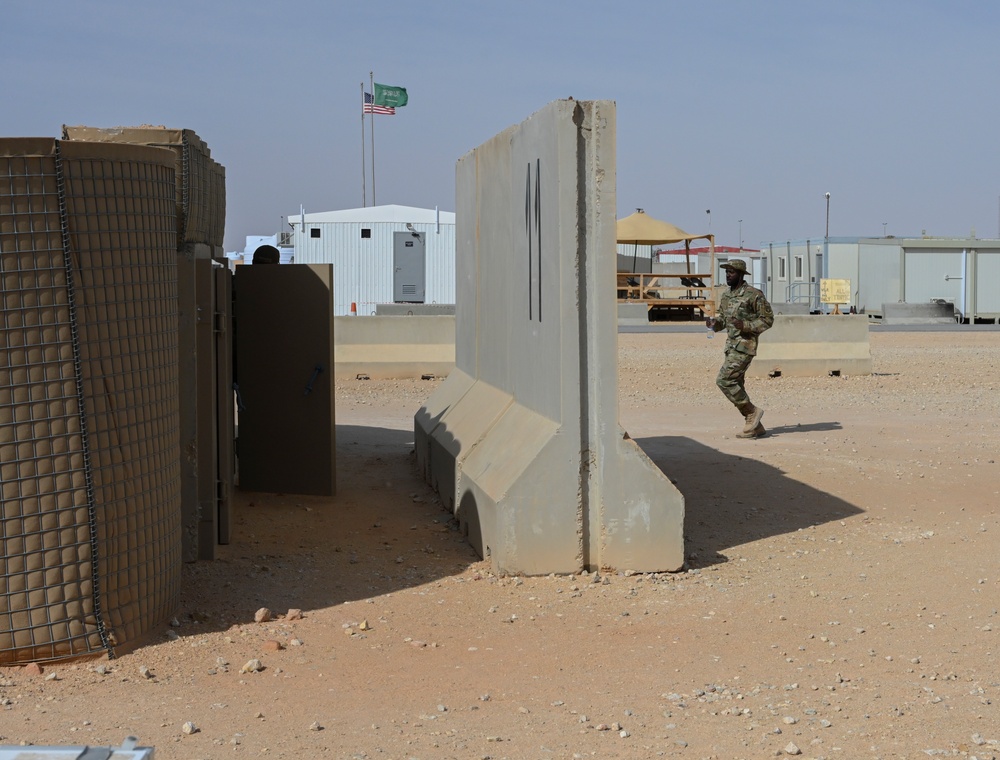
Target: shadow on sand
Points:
x,y
385,530
732,500
816,427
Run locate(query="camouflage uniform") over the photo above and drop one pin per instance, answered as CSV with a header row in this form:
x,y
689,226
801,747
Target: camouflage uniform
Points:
x,y
750,305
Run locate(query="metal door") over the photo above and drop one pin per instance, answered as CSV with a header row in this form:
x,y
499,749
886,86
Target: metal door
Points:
x,y
408,260
758,276
284,366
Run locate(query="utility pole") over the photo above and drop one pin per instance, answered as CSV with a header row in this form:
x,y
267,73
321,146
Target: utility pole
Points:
x,y
828,216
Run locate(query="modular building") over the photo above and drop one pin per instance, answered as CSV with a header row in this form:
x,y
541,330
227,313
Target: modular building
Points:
x,y
887,270
380,255
286,254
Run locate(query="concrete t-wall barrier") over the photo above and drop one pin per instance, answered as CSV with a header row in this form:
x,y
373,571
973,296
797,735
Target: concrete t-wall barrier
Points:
x,y
633,314
933,313
414,309
394,346
811,345
522,440
799,307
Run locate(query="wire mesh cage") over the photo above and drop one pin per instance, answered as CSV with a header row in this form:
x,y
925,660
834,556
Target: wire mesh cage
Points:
x,y
200,181
89,456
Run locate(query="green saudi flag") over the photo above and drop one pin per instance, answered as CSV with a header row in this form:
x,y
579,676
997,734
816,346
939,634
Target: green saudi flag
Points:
x,y
394,97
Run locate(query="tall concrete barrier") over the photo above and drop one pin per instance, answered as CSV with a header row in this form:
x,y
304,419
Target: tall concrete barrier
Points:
x,y
522,440
812,345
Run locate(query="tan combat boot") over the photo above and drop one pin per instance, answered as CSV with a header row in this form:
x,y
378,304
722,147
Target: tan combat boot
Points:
x,y
757,432
753,420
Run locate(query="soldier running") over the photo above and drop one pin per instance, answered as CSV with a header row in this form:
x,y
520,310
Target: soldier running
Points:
x,y
745,313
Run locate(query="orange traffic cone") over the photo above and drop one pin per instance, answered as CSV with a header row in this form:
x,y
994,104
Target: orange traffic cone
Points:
x,y
354,309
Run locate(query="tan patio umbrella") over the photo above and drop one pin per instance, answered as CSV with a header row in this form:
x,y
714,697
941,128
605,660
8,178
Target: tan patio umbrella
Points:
x,y
642,229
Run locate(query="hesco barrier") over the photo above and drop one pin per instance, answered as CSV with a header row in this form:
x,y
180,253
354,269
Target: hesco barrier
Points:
x,y
200,193
89,460
200,181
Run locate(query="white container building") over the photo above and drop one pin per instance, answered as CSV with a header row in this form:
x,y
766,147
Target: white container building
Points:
x,y
886,270
380,254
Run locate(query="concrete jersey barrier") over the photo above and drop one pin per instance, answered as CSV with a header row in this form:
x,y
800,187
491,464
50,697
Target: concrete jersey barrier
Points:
x,y
918,313
817,344
394,346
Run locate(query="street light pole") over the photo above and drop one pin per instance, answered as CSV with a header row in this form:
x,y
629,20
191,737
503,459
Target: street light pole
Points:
x,y
709,212
827,215
826,241
741,236
883,228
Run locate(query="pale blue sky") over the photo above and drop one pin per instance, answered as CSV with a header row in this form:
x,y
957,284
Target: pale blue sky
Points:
x,y
751,109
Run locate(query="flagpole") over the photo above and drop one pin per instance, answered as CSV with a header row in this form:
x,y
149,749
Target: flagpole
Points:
x,y
371,81
364,190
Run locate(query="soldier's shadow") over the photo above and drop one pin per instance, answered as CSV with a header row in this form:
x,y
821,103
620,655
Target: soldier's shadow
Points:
x,y
814,427
732,500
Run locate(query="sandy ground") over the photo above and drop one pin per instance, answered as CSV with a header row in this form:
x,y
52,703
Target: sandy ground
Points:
x,y
840,598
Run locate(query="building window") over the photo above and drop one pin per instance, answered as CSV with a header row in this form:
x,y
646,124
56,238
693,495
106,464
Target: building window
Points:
x,y
365,233
314,232
798,267
782,275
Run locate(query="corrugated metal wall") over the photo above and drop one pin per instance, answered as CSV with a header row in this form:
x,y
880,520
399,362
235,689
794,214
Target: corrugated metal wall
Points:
x,y
363,267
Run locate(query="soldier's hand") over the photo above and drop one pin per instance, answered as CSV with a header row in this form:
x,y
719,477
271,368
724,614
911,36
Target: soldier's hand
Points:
x,y
738,324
